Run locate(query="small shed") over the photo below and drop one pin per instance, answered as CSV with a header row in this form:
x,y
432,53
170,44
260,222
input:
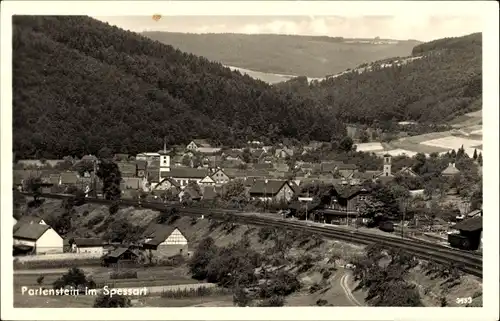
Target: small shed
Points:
x,y
120,255
469,235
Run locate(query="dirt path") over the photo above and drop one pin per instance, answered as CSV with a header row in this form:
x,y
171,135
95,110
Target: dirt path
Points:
x,y
344,283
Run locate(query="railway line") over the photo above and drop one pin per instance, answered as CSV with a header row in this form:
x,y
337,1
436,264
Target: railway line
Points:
x,y
469,262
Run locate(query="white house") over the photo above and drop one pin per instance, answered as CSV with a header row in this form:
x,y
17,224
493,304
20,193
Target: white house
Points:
x,y
220,177
207,181
88,245
184,175
41,237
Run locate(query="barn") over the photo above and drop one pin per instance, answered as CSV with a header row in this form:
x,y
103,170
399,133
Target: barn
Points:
x,y
88,245
165,240
40,237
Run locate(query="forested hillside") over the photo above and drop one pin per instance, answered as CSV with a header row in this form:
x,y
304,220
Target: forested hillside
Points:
x,y
80,84
310,56
443,81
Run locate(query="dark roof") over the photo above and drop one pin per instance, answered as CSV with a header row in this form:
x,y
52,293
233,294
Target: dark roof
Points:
x,y
30,231
469,225
272,187
209,193
334,212
186,173
172,181
201,142
131,182
141,164
116,253
343,166
127,169
263,166
309,206
69,177
329,166
347,191
27,219
159,233
81,242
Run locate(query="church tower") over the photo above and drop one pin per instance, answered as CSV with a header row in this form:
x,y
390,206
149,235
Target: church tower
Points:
x,y
164,160
387,165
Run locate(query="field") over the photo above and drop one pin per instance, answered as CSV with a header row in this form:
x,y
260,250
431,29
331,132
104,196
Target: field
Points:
x,y
454,142
266,77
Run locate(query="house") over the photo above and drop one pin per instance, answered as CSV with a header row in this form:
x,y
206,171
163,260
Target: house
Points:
x,y
469,235
184,175
341,204
141,168
220,177
191,193
166,184
271,190
329,167
207,181
233,155
40,237
195,144
209,193
131,183
69,178
88,245
407,171
165,240
283,152
451,170
346,170
127,169
120,255
26,219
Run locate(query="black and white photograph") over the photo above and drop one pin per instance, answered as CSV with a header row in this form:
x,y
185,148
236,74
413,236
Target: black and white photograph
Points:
x,y
169,157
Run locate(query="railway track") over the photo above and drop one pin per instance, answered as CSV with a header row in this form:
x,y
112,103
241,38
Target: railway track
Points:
x,y
469,262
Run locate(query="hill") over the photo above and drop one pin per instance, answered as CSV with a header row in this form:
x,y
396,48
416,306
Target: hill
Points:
x,y
310,56
80,84
440,81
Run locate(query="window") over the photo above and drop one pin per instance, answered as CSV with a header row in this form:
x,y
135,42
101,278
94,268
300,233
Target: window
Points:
x,y
386,174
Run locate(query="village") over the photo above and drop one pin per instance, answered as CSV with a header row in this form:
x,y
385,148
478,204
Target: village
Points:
x,y
272,178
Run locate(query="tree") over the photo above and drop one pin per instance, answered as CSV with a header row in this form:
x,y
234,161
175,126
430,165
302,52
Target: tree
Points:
x,y
246,155
475,154
34,186
75,277
186,161
480,159
115,301
83,167
121,231
105,154
346,144
194,186
364,137
111,177
204,253
233,189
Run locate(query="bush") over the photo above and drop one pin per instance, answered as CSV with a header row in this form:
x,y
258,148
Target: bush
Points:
x,y
321,302
95,220
85,213
201,291
274,301
39,280
265,233
326,274
123,275
115,301
314,288
75,278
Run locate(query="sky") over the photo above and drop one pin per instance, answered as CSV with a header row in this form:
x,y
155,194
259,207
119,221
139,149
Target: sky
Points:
x,y
419,27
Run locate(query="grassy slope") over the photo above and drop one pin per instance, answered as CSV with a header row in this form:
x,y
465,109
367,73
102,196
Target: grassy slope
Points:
x,y
283,54
330,291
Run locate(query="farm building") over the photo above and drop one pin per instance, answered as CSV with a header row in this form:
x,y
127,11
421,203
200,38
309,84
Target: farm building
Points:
x,y
41,238
468,234
88,245
120,255
166,240
271,190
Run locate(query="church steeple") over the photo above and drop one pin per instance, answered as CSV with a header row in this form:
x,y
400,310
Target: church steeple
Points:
x,y
165,145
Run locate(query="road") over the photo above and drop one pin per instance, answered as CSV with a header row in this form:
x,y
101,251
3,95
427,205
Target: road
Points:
x,y
344,283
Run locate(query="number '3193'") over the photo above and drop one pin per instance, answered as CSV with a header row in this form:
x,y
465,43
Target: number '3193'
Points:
x,y
464,300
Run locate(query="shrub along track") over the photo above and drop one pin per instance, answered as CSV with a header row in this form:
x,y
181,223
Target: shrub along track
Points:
x,y
468,262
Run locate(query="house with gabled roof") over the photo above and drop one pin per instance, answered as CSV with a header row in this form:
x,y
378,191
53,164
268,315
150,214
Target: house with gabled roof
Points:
x,y
271,190
220,177
207,181
165,240
41,238
88,245
197,143
451,170
167,184
184,175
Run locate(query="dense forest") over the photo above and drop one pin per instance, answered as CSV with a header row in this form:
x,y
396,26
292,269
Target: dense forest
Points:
x,y
444,81
80,84
310,56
